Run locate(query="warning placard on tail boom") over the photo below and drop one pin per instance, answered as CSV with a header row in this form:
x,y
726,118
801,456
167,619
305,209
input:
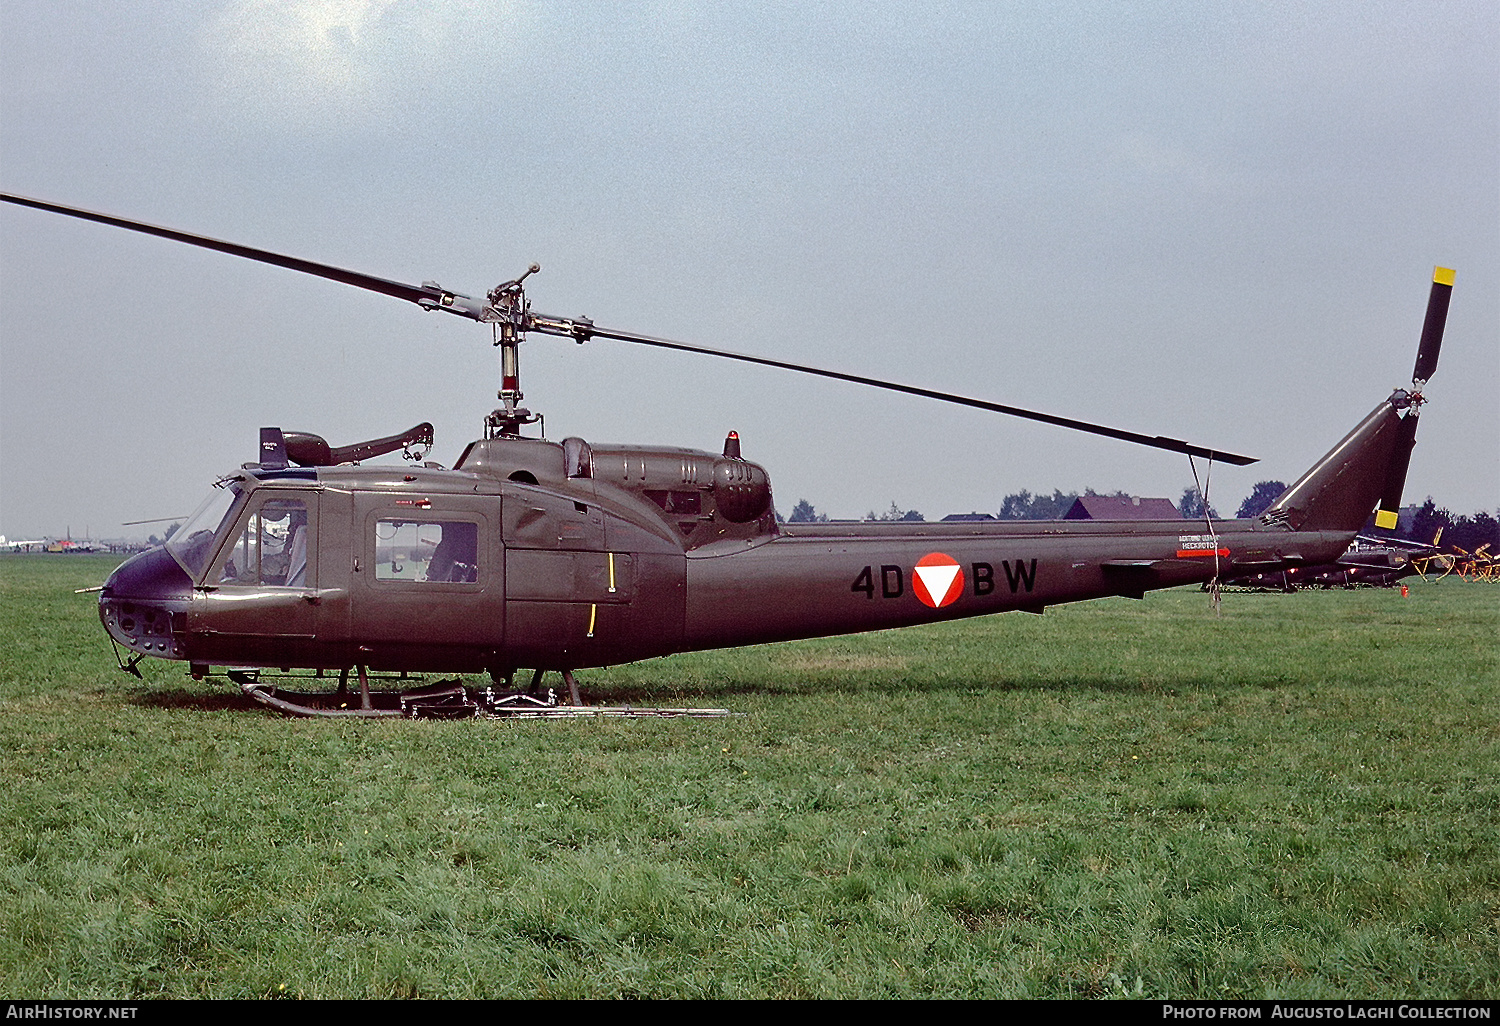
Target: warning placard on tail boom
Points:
x,y
1191,545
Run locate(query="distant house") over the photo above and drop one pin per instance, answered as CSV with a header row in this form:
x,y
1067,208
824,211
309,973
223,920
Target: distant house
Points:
x,y
1120,507
953,517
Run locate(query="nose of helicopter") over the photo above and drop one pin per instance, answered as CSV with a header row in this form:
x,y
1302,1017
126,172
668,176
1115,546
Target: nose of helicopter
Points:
x,y
144,604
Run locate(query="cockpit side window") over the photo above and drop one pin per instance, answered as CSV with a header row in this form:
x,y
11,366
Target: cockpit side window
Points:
x,y
272,548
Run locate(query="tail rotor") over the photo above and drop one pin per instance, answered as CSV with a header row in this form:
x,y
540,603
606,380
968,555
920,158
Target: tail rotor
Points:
x,y
1427,358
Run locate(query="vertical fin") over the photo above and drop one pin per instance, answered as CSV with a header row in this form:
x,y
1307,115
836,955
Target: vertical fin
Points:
x,y
1339,491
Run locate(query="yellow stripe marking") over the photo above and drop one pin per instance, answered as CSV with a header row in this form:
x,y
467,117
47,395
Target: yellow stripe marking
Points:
x,y
611,573
1442,275
593,614
1385,519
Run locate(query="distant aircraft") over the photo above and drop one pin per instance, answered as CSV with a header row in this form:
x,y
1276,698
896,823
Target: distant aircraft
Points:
x,y
69,545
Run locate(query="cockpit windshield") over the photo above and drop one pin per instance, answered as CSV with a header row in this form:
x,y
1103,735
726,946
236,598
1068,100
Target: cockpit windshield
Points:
x,y
193,542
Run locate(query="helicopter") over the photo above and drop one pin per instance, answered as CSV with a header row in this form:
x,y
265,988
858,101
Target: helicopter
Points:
x,y
1371,562
553,556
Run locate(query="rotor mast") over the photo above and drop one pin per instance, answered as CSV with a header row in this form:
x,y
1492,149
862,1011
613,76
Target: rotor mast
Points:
x,y
508,313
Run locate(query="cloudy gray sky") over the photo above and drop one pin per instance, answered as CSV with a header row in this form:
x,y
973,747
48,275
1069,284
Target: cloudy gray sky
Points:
x,y
1215,221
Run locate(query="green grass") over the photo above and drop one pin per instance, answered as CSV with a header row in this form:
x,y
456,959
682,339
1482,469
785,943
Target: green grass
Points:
x,y
1300,798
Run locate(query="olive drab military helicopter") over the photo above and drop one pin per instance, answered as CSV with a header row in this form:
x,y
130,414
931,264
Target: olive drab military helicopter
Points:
x,y
559,555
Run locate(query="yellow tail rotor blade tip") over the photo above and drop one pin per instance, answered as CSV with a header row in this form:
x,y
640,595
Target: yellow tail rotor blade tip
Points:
x,y
1442,275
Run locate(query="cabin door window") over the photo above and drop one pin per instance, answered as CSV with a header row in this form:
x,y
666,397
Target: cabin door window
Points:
x,y
431,551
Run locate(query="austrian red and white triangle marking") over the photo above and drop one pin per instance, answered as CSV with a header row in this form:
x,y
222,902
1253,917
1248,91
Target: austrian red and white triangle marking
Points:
x,y
938,580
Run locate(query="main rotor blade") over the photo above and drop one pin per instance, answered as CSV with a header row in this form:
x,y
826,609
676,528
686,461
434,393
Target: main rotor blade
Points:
x,y
1432,326
430,296
1155,441
426,296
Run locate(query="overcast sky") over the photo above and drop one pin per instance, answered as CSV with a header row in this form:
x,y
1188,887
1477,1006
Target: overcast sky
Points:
x,y
1211,221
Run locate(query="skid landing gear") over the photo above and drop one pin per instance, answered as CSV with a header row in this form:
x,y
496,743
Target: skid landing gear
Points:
x,y
444,700
534,689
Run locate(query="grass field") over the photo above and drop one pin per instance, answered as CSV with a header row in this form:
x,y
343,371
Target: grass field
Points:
x,y
1300,798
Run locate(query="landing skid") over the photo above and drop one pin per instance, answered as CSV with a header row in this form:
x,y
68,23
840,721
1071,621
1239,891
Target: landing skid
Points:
x,y
444,700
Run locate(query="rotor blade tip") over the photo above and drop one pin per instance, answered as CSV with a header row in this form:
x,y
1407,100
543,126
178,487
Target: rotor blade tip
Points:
x,y
1442,275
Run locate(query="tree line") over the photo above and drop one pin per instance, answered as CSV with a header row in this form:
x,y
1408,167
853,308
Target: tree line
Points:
x,y
1469,533
806,513
1466,532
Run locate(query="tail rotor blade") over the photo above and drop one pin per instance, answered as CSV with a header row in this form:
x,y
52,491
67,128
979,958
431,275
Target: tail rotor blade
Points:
x,y
1432,327
1395,478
